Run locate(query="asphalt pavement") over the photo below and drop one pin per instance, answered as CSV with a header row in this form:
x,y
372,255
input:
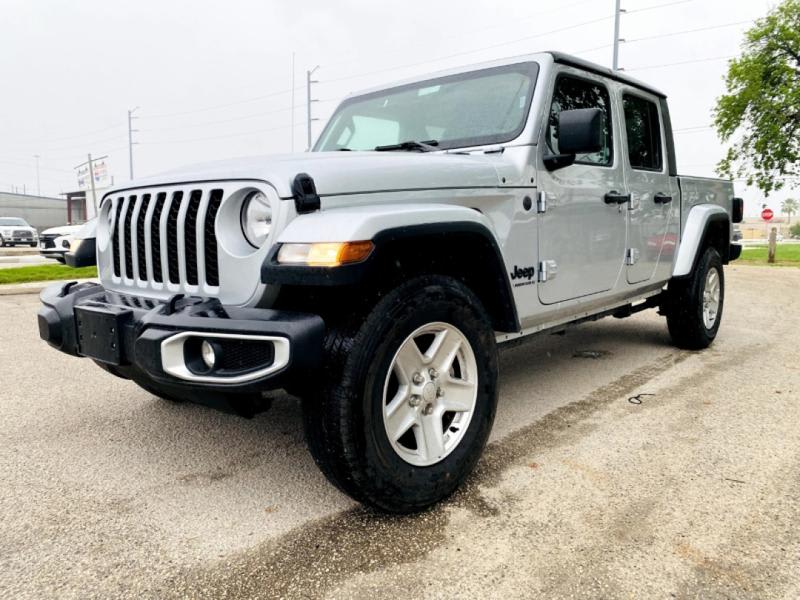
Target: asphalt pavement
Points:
x,y
619,467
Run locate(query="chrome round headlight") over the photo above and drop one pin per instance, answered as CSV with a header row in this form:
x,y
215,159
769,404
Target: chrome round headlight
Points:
x,y
256,218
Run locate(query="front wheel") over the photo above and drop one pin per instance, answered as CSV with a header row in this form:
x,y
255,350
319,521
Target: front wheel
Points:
x,y
694,304
409,396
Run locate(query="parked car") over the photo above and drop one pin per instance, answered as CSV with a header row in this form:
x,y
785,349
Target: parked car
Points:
x,y
56,241
376,276
82,252
15,231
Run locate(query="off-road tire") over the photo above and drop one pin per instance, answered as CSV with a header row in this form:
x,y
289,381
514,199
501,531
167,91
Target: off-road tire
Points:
x,y
343,419
684,306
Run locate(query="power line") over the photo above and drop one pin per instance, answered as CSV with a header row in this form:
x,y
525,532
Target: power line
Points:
x,y
19,164
47,151
685,31
474,50
217,106
77,136
231,120
646,8
684,62
558,9
219,137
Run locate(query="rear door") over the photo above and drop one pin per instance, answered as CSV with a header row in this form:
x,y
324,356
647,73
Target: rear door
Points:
x,y
582,236
654,206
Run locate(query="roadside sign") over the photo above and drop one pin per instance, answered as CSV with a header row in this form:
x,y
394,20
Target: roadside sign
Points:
x,y
102,177
767,214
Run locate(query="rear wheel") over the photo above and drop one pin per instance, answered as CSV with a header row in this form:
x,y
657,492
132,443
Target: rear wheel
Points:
x,y
695,303
409,396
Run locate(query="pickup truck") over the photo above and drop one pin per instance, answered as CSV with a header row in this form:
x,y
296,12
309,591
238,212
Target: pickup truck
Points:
x,y
14,230
376,276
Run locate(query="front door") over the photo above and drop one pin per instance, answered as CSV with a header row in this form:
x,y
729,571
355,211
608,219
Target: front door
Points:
x,y
582,229
653,227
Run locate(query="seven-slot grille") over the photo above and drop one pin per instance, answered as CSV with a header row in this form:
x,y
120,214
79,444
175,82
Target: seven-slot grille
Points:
x,y
166,238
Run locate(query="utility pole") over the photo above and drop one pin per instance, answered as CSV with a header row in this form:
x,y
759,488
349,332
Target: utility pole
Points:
x,y
309,81
91,177
38,180
617,12
292,123
130,142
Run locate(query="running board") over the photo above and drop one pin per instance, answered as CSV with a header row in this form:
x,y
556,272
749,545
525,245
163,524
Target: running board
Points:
x,y
630,309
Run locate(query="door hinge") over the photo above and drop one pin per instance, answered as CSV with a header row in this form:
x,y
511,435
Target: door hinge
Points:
x,y
541,202
631,256
548,269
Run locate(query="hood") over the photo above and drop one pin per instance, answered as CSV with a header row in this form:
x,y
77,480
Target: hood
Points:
x,y
62,230
17,228
337,173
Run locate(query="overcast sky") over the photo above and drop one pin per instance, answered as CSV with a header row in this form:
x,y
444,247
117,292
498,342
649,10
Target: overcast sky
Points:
x,y
213,79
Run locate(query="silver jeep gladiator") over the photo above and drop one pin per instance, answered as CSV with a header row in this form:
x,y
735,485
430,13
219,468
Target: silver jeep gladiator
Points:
x,y
376,276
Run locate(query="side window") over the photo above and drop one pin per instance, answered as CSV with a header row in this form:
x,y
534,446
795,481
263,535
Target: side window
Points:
x,y
572,93
643,133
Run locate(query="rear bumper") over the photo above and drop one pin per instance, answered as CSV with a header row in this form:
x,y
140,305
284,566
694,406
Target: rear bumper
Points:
x,y
734,251
157,343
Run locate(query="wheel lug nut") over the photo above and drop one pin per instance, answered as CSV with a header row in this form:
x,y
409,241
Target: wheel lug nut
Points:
x,y
439,392
414,400
433,373
428,409
418,379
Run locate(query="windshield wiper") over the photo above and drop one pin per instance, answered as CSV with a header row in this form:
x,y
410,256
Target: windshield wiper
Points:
x,y
409,146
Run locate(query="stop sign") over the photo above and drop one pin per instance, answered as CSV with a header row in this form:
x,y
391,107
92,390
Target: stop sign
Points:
x,y
767,214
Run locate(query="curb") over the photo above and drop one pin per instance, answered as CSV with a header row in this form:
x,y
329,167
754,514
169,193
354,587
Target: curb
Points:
x,y
32,287
10,252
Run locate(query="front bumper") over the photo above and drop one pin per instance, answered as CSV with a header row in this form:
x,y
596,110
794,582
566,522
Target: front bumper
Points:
x,y
52,252
151,342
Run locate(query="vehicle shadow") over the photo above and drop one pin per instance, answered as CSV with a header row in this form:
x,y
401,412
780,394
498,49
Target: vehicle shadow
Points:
x,y
220,445
208,477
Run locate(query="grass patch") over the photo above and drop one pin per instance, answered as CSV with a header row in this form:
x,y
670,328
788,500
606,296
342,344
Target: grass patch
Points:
x,y
45,273
786,255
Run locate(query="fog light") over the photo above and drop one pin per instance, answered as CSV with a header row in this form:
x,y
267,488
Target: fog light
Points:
x,y
208,354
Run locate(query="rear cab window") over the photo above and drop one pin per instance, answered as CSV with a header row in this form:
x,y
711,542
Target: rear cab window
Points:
x,y
642,133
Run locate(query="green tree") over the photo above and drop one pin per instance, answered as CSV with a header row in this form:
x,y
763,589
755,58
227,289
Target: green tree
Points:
x,y
789,207
759,116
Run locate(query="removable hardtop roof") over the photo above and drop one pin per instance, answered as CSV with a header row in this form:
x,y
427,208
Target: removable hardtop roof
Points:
x,y
579,63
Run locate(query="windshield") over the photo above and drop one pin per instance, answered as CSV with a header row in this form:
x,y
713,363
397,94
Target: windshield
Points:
x,y
12,222
469,109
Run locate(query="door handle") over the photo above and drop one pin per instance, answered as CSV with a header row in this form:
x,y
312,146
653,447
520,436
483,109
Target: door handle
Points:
x,y
662,198
615,197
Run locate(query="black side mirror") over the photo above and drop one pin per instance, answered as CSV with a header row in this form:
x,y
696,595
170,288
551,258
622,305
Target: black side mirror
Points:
x,y
580,131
